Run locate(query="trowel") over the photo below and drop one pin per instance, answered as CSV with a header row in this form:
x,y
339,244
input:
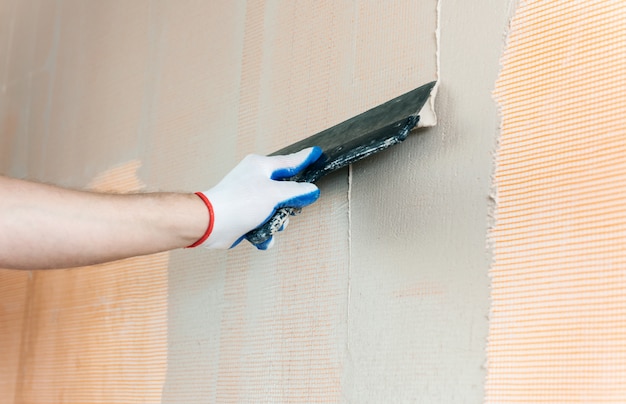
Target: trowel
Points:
x,y
347,142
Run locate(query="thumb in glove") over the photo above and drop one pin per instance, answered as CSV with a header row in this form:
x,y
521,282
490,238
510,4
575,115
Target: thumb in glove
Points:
x,y
252,192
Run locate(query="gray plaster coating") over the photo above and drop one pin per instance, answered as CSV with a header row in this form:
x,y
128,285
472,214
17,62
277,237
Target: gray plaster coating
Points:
x,y
377,293
418,313
394,292
383,281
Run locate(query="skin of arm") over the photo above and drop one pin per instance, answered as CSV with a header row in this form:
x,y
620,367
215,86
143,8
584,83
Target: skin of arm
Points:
x,y
44,226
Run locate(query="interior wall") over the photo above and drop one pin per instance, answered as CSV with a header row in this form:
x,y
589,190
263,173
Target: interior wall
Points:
x,y
557,326
377,293
275,326
72,82
419,219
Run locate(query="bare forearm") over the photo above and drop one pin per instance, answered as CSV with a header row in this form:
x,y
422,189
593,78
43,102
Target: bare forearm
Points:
x,y
43,226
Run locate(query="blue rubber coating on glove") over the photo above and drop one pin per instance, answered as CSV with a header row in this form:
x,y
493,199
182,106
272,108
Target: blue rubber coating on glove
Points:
x,y
264,245
239,240
297,202
289,172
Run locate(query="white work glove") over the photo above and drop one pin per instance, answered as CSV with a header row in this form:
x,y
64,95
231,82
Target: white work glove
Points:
x,y
250,194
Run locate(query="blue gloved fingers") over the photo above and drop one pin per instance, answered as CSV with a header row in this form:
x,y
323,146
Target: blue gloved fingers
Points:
x,y
239,240
291,164
297,194
250,192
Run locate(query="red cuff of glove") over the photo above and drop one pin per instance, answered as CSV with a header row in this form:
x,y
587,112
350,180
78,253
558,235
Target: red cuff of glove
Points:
x,y
209,229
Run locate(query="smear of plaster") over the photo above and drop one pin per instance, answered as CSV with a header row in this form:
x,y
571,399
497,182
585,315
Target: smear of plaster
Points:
x,y
96,334
428,116
419,263
379,311
558,287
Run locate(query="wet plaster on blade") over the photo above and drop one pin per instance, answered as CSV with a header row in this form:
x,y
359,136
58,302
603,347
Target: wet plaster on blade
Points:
x,y
419,287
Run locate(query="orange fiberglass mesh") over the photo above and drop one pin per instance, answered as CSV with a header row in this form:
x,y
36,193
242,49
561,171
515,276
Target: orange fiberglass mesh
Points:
x,y
88,335
558,322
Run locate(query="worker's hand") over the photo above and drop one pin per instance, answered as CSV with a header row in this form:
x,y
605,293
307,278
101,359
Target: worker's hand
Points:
x,y
250,194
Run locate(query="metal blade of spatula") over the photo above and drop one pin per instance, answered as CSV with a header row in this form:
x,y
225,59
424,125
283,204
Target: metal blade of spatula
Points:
x,y
352,140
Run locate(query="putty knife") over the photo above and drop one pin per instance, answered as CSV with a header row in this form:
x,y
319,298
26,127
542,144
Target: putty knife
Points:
x,y
343,144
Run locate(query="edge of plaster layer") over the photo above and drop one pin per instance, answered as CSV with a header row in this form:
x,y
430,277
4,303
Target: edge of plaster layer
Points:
x,y
428,116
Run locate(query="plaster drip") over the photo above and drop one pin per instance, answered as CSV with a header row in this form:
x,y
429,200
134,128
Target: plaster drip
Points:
x,y
350,178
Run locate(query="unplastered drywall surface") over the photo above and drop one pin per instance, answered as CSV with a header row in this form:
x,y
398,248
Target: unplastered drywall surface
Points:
x,y
377,293
559,304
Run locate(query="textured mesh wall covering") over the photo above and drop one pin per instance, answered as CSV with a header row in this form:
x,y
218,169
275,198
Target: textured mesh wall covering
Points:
x,y
70,113
378,293
559,283
13,289
93,334
249,327
171,95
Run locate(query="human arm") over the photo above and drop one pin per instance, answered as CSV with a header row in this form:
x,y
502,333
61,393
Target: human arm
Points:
x,y
43,226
